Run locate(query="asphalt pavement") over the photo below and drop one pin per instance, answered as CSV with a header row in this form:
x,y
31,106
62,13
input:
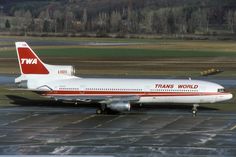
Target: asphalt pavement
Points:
x,y
28,130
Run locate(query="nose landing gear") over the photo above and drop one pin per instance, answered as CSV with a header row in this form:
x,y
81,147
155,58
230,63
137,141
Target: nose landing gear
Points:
x,y
194,109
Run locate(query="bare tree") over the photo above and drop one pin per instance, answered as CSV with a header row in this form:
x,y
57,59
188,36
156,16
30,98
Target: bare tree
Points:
x,y
102,21
155,24
146,24
18,14
41,17
27,21
68,19
171,24
133,21
84,19
180,20
204,20
234,25
230,20
159,21
194,21
57,16
115,21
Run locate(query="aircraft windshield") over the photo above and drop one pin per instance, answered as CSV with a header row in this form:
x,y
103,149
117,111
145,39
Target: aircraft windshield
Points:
x,y
221,90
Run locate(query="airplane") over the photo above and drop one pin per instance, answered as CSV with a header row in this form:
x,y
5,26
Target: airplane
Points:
x,y
60,83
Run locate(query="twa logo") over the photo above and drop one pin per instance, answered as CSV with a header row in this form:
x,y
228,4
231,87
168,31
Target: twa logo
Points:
x,y
28,61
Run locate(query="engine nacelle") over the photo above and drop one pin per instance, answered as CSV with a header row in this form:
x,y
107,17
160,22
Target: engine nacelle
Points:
x,y
21,81
119,106
61,69
22,84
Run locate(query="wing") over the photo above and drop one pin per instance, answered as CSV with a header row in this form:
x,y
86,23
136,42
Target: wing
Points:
x,y
115,103
99,99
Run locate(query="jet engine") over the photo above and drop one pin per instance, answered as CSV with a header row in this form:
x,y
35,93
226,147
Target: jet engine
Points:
x,y
119,106
61,69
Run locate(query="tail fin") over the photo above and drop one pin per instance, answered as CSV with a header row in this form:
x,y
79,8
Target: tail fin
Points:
x,y
28,61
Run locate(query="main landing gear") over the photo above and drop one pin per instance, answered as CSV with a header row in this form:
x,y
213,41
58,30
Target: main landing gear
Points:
x,y
98,111
194,109
102,109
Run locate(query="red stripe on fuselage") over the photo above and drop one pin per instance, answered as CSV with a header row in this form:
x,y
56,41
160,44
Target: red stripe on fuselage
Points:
x,y
121,93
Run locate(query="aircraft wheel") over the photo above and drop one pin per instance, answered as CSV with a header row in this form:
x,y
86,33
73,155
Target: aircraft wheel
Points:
x,y
98,111
194,109
194,113
102,109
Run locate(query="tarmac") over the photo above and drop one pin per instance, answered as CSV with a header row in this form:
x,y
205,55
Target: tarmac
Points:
x,y
48,130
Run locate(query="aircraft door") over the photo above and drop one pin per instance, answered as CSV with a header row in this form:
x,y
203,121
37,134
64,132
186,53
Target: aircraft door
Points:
x,y
82,89
147,90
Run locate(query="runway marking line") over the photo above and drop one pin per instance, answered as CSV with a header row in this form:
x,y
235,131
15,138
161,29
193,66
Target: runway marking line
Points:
x,y
109,121
234,127
146,135
173,121
86,118
18,120
2,136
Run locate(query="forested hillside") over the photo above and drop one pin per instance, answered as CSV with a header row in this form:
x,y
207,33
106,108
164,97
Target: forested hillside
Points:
x,y
119,16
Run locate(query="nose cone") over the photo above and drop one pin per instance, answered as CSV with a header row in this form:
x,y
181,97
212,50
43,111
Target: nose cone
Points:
x,y
226,96
229,96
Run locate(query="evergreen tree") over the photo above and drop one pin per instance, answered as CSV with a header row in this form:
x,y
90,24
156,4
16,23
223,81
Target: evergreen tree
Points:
x,y
46,26
7,24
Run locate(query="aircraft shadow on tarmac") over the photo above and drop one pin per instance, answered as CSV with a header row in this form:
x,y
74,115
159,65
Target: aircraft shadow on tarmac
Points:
x,y
22,101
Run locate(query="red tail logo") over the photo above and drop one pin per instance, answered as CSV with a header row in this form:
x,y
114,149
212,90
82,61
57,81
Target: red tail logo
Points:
x,y
29,61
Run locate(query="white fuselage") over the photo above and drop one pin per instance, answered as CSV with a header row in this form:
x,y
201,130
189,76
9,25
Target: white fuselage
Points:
x,y
148,90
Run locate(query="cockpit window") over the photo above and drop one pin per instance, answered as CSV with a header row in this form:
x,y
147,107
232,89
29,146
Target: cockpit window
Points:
x,y
221,90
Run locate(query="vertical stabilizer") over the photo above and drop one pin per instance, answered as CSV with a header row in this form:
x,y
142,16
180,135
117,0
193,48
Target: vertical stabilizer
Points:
x,y
28,61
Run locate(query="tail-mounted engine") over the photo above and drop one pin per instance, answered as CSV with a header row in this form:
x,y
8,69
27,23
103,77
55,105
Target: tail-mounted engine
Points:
x,y
61,69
